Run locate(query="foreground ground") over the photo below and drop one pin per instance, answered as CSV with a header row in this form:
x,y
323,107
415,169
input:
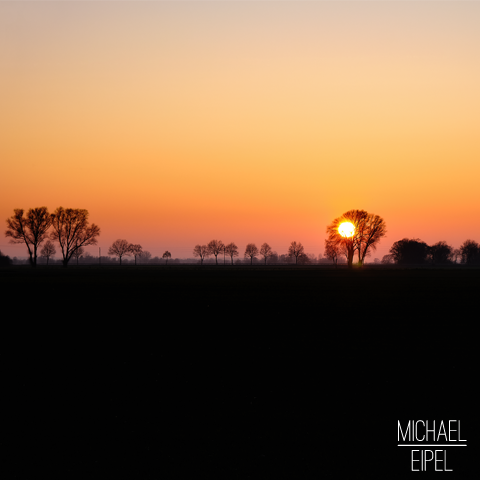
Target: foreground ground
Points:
x,y
235,371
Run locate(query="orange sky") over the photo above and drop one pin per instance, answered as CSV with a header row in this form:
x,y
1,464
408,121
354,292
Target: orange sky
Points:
x,y
174,123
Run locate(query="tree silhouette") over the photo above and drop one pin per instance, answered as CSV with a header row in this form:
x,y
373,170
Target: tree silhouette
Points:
x,y
135,250
303,258
295,250
71,231
120,248
232,250
266,251
48,250
470,251
78,253
145,256
251,251
5,260
214,248
332,251
274,257
388,259
369,229
31,229
201,251
347,244
410,251
441,252
166,256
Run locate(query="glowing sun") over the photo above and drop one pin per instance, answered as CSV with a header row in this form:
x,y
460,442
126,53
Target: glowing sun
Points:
x,y
346,229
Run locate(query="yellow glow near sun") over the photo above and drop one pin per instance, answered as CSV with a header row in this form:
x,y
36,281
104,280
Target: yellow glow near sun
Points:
x,y
346,229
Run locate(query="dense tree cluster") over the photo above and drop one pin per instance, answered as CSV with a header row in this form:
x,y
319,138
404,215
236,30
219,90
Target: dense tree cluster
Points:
x,y
413,251
470,252
5,260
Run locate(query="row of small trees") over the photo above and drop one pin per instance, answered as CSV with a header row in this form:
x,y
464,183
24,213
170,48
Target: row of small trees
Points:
x,y
121,248
403,252
216,247
415,251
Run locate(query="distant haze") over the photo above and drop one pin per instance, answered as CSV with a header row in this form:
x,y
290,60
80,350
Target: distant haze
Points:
x,y
175,123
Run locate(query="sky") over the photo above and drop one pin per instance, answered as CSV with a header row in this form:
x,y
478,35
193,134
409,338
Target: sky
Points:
x,y
178,122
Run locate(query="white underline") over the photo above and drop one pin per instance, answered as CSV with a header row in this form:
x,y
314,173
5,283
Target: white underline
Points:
x,y
432,445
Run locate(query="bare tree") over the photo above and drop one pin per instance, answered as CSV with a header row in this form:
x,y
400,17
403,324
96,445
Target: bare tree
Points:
x,y
120,248
201,251
166,256
371,230
388,259
145,256
332,251
273,258
31,229
251,251
71,231
295,250
214,248
78,253
232,250
266,251
135,250
304,258
368,230
48,250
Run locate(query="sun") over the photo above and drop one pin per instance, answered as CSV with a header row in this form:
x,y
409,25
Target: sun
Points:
x,y
346,229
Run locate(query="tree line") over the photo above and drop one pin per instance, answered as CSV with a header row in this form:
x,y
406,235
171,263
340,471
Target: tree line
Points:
x,y
70,230
121,248
414,251
296,251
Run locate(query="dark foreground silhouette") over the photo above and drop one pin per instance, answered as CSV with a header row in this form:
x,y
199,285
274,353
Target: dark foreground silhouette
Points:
x,y
234,373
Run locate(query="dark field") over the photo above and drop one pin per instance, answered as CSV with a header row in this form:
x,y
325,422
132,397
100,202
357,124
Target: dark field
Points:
x,y
234,372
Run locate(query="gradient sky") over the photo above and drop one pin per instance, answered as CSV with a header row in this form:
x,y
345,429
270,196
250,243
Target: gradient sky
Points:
x,y
178,122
